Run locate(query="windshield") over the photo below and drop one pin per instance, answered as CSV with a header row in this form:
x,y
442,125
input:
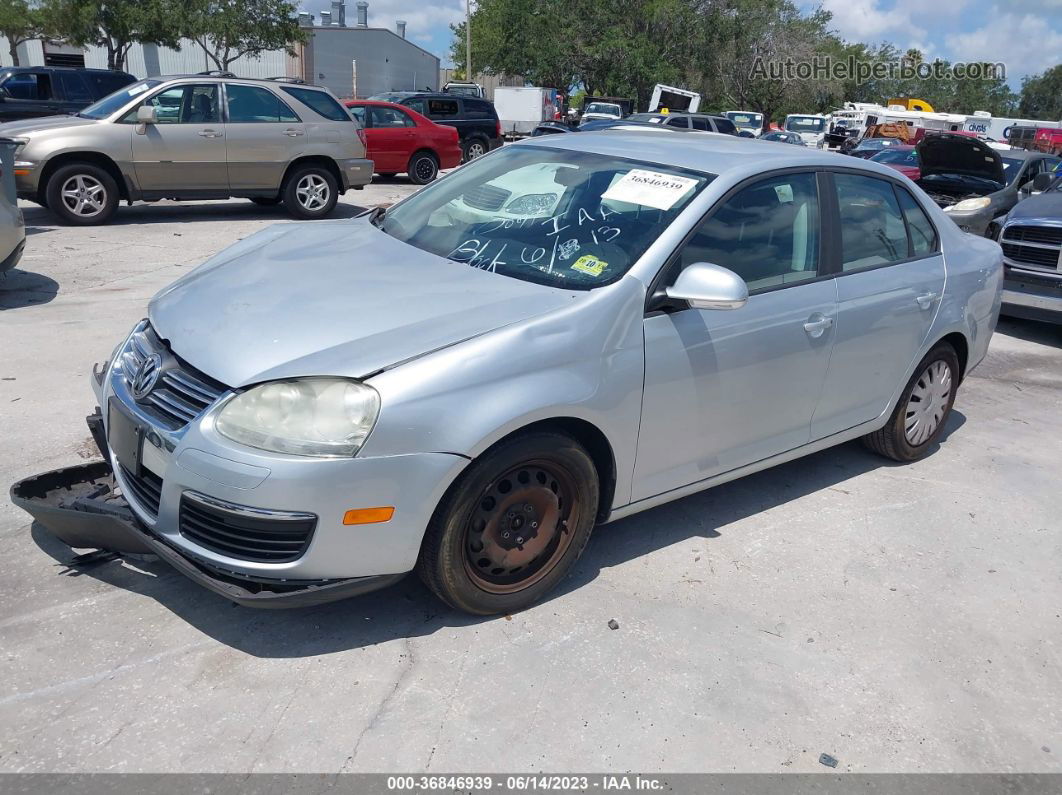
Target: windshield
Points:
x,y
805,124
112,103
562,218
751,121
464,91
1011,167
908,157
603,107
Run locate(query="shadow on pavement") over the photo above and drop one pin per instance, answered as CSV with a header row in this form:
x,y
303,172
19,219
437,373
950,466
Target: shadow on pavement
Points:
x,y
167,212
408,609
19,288
1037,331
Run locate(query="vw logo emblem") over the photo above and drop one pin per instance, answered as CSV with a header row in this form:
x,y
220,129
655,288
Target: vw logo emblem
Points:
x,y
146,375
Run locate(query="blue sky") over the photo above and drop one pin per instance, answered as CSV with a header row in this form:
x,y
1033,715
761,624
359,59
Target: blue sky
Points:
x,y
1026,35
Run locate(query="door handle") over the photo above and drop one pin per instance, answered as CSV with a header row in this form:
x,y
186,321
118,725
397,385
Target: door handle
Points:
x,y
926,300
209,134
292,133
816,328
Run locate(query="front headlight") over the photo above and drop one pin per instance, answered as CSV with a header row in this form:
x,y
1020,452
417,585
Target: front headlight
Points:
x,y
328,417
967,205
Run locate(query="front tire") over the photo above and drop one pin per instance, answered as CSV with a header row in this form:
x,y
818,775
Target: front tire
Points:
x,y
82,194
511,527
922,410
310,192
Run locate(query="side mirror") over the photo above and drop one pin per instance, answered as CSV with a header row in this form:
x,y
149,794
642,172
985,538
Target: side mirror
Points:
x,y
707,286
147,114
1041,182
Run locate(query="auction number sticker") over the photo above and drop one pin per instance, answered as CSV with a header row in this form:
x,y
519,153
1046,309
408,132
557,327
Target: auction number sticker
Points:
x,y
650,189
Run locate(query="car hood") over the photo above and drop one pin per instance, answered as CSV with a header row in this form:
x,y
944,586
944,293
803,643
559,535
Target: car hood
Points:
x,y
26,126
959,154
1043,206
332,298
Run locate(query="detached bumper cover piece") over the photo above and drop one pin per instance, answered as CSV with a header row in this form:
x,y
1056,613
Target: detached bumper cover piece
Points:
x,y
80,507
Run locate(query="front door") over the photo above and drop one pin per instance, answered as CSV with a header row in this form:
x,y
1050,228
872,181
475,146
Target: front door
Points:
x,y
262,136
27,95
726,388
889,289
184,153
391,133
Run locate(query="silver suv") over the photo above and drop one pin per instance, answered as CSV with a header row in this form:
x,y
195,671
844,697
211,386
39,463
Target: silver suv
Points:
x,y
193,137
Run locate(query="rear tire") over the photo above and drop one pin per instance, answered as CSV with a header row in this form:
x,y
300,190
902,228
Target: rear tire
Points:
x,y
82,194
510,528
474,147
922,410
423,168
310,192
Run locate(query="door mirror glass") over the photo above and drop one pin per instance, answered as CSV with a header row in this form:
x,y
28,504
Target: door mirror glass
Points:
x,y
147,114
707,286
1041,182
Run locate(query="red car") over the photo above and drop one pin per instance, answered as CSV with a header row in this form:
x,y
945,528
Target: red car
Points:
x,y
399,139
903,158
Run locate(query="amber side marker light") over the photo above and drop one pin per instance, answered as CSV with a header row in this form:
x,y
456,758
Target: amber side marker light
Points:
x,y
21,172
369,515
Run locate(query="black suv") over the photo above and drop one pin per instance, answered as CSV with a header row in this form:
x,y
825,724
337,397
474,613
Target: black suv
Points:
x,y
475,119
688,121
30,91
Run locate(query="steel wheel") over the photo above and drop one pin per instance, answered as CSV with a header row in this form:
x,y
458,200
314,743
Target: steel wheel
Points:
x,y
521,527
83,196
928,403
312,192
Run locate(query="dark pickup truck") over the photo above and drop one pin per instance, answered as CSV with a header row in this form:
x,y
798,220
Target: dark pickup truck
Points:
x,y
30,91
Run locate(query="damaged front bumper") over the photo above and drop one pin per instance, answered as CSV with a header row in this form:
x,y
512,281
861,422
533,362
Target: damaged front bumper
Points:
x,y
82,507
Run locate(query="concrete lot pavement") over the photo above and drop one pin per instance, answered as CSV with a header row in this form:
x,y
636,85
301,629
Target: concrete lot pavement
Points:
x,y
900,618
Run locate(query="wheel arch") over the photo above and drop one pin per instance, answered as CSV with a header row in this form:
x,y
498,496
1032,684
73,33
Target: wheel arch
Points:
x,y
314,160
97,159
958,341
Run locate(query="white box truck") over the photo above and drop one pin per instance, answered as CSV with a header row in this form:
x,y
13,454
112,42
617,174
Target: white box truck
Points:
x,y
520,110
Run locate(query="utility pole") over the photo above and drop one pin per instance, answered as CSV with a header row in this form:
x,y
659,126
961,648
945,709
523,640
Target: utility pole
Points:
x,y
468,40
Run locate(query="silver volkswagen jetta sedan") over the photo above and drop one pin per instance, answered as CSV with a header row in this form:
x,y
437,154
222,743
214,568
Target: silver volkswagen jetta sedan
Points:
x,y
562,333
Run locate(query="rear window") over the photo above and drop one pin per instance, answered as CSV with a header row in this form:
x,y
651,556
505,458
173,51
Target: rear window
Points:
x,y
443,108
478,109
322,103
725,126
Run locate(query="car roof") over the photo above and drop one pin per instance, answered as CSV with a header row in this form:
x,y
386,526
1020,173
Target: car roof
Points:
x,y
711,153
62,69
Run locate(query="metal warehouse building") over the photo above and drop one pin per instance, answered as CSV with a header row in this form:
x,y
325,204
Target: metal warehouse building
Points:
x,y
355,60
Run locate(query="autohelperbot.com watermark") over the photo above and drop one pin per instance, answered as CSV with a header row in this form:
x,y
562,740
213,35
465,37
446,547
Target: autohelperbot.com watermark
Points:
x,y
827,67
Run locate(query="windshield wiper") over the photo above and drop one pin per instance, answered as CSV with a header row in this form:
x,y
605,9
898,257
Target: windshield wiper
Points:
x,y
376,216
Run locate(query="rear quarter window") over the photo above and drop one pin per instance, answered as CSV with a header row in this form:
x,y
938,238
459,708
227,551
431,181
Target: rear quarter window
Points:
x,y
321,103
478,109
725,126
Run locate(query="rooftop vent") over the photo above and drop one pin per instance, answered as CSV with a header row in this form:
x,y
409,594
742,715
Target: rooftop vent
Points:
x,y
363,14
326,18
339,13
400,27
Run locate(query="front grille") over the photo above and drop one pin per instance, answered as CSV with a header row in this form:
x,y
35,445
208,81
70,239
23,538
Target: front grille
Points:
x,y
245,534
1033,255
181,393
1051,235
486,197
145,489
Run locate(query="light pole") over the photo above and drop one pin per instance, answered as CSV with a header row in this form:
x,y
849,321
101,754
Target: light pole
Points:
x,y
468,40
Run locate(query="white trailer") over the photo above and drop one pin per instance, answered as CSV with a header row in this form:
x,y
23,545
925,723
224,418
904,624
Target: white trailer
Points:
x,y
522,109
674,99
998,128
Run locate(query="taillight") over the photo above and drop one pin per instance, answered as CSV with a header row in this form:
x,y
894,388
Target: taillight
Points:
x,y
497,128
361,136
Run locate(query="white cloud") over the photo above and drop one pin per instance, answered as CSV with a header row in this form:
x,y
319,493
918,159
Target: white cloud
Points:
x,y
1023,42
866,20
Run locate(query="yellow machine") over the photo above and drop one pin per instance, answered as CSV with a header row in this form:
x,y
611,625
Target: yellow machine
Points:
x,y
911,104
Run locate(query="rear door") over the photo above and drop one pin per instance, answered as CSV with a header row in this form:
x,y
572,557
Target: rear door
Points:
x,y
263,134
185,150
392,135
889,286
28,95
73,90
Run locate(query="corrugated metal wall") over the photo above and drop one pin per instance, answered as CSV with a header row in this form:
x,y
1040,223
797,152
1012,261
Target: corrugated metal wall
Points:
x,y
385,61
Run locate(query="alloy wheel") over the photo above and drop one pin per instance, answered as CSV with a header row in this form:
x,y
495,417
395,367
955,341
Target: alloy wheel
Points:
x,y
476,149
928,402
312,192
84,196
521,527
424,168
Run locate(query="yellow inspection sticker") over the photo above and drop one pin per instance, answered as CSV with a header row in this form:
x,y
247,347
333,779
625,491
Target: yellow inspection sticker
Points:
x,y
589,264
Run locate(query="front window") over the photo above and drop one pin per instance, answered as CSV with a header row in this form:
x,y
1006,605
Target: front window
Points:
x,y
566,219
1011,167
808,124
604,108
186,104
113,103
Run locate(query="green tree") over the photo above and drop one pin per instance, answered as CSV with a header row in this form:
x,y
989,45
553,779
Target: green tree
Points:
x,y
1041,95
19,22
114,25
230,29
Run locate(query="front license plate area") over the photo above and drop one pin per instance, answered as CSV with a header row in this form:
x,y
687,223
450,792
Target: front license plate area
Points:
x,y
123,437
